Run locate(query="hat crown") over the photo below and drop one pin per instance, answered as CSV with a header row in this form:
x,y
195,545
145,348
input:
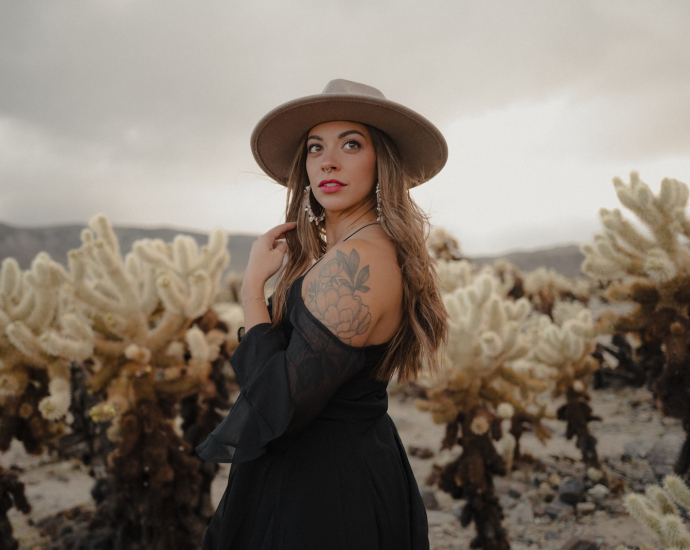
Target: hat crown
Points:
x,y
342,86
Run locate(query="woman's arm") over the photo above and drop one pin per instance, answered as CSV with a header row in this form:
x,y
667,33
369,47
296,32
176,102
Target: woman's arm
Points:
x,y
356,292
285,385
265,259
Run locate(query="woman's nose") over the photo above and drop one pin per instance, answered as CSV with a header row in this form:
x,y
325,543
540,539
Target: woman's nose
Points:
x,y
328,163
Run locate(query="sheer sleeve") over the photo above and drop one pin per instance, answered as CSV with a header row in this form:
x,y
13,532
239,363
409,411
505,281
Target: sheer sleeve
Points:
x,y
285,383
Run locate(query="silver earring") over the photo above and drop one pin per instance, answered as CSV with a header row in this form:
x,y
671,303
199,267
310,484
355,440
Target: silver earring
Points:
x,y
379,214
327,170
308,210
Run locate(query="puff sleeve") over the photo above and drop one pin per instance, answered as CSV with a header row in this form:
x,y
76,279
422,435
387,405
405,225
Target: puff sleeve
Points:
x,y
286,383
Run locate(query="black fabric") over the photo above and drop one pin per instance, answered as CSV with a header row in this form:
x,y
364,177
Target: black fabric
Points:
x,y
317,462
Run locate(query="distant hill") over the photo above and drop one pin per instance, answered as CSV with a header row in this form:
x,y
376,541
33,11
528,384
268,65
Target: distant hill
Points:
x,y
564,259
24,243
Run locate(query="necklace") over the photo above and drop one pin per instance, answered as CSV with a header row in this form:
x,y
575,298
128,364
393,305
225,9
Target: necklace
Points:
x,y
347,229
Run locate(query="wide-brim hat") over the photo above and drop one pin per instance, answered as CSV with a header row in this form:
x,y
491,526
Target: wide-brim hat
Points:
x,y
277,135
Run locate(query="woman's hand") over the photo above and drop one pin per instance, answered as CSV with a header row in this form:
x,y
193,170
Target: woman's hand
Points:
x,y
265,259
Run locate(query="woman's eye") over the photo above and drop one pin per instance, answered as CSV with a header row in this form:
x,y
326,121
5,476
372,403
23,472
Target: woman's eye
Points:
x,y
351,144
313,148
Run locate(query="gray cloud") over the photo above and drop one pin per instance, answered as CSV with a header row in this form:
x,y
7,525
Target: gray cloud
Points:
x,y
141,108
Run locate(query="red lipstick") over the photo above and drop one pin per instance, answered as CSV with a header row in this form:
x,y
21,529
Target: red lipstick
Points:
x,y
331,186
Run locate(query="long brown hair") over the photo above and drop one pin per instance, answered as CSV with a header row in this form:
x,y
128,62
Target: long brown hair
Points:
x,y
424,326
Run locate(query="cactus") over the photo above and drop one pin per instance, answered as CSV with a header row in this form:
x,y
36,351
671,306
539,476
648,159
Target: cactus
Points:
x,y
443,246
150,349
40,333
157,342
11,495
657,511
478,390
561,351
546,288
653,271
543,287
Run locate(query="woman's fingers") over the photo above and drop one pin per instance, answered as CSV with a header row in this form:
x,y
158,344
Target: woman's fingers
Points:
x,y
281,246
268,252
277,231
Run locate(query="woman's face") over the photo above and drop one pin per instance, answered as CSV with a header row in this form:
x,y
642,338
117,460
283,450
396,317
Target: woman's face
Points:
x,y
341,164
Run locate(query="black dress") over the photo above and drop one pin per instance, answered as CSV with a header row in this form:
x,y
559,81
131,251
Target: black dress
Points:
x,y
317,462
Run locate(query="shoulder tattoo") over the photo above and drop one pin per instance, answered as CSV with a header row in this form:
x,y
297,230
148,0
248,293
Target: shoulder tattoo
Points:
x,y
334,296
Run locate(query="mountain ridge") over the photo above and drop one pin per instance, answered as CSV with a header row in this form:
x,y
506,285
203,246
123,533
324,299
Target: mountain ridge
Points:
x,y
25,243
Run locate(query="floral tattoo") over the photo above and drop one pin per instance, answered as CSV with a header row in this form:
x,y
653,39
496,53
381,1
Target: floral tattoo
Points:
x,y
332,298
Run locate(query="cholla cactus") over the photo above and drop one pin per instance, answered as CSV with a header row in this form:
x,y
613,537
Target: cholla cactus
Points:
x,y
545,287
658,512
452,275
231,288
144,330
485,337
443,246
40,333
654,272
561,352
622,250
477,390
157,342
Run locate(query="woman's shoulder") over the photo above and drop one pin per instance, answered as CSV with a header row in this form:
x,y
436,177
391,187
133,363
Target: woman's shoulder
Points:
x,y
356,285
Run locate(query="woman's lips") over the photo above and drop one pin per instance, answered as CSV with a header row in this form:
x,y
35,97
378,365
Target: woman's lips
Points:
x,y
331,186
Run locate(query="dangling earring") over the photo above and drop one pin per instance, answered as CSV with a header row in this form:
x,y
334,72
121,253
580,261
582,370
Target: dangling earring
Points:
x,y
379,214
308,210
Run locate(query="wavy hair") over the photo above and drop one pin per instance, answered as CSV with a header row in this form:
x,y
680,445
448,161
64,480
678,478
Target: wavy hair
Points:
x,y
424,326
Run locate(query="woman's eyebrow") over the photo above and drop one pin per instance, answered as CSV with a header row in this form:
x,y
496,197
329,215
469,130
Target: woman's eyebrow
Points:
x,y
341,136
350,132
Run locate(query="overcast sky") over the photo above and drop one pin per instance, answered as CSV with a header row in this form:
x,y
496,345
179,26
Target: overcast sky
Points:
x,y
142,110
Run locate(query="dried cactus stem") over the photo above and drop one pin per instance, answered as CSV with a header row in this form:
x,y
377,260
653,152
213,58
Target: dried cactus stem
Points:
x,y
20,417
470,476
577,413
11,495
628,372
154,486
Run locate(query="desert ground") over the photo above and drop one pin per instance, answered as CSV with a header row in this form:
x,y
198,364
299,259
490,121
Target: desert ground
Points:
x,y
635,443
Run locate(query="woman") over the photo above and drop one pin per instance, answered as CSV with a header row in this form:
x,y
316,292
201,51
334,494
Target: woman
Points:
x,y
317,462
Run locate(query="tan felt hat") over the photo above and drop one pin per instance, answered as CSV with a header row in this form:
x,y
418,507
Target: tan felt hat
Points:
x,y
277,135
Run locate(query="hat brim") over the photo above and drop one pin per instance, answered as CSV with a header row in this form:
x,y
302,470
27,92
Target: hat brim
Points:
x,y
276,137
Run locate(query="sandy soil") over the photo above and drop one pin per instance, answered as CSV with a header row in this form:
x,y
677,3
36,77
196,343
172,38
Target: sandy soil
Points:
x,y
629,419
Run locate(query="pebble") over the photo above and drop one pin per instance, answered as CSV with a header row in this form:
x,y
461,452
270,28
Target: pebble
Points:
x,y
559,510
554,480
571,490
585,508
595,474
544,488
598,494
514,493
552,535
613,506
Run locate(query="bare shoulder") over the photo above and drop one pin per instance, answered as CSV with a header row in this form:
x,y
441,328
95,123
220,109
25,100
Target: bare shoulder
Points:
x,y
356,291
